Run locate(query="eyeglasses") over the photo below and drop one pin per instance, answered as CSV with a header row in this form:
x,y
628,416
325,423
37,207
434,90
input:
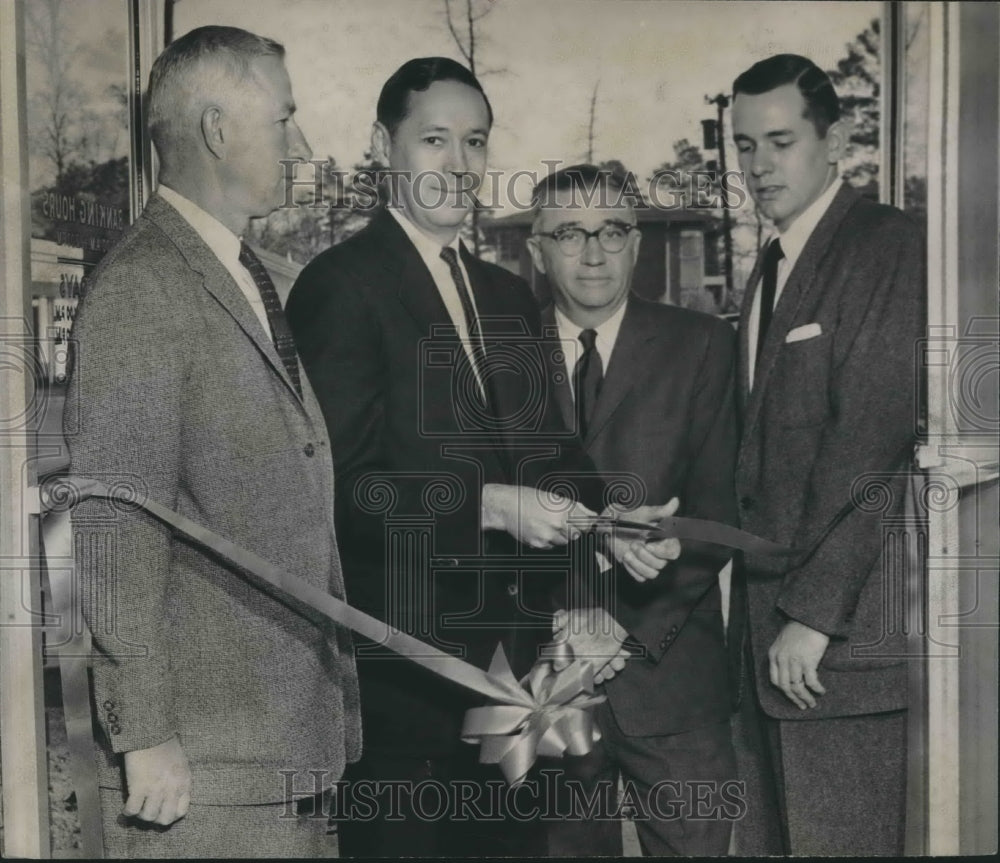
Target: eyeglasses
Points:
x,y
611,237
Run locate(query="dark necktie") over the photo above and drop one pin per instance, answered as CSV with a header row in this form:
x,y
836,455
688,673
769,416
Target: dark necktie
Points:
x,y
280,332
587,377
450,257
768,288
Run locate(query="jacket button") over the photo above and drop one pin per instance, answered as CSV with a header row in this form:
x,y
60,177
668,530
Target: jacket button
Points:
x,y
309,450
112,718
746,503
512,589
115,729
109,705
673,630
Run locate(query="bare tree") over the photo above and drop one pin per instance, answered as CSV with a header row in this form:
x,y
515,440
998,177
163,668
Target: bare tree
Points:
x,y
57,102
590,125
463,20
465,32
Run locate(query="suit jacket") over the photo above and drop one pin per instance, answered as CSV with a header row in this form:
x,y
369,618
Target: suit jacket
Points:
x,y
665,422
827,430
413,447
178,392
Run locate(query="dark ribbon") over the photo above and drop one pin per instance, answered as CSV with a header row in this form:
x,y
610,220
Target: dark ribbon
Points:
x,y
545,714
697,529
311,602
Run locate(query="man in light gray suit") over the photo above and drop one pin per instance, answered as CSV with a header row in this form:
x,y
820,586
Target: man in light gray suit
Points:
x,y
215,701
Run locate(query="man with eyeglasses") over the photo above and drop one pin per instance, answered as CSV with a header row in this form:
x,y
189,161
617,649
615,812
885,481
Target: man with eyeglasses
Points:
x,y
423,359
650,387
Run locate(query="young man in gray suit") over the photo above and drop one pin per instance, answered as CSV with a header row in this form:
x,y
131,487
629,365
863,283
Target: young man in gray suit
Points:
x,y
215,701
650,388
831,319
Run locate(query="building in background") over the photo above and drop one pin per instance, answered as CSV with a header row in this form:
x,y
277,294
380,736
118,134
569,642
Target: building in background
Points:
x,y
920,84
678,260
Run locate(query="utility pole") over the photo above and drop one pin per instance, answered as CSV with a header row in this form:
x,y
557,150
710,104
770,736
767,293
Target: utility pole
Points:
x,y
719,136
168,21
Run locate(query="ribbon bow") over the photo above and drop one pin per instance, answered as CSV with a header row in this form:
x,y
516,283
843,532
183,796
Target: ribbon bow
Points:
x,y
548,716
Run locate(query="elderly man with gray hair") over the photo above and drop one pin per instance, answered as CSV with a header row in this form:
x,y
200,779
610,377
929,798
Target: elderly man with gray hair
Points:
x,y
216,703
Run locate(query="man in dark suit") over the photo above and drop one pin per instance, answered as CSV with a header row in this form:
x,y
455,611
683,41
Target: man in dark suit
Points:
x,y
427,363
187,388
830,322
651,388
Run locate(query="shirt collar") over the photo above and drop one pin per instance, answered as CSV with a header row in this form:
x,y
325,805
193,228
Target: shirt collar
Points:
x,y
607,332
795,237
429,250
223,242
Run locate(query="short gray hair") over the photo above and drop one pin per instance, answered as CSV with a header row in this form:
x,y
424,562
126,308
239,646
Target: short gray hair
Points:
x,y
185,70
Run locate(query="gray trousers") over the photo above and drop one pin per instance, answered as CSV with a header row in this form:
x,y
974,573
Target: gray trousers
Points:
x,y
825,787
698,763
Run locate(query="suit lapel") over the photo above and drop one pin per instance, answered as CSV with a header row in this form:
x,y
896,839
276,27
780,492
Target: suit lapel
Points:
x,y
801,282
414,283
753,285
217,280
503,391
419,295
620,376
560,374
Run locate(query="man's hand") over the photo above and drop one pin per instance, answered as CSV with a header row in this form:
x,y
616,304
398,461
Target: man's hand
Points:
x,y
595,637
644,560
532,516
795,657
159,783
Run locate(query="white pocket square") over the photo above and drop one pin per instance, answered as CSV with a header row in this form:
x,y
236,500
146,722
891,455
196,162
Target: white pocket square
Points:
x,y
806,331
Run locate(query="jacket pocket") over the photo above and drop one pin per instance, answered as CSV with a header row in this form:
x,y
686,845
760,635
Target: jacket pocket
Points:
x,y
800,385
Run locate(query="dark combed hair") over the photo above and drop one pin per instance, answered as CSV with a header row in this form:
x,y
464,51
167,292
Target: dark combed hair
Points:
x,y
417,75
822,104
584,178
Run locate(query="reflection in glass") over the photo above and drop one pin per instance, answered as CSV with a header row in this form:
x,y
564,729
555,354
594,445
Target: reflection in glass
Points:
x,y
77,67
624,85
917,34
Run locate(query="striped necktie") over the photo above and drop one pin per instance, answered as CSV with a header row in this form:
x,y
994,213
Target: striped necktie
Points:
x,y
450,257
280,331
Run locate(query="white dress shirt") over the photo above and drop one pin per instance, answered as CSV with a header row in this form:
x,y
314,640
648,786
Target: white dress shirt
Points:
x,y
224,244
793,241
430,253
607,335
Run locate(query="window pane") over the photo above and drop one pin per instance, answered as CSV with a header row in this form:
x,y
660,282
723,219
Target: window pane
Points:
x,y
77,73
917,35
617,82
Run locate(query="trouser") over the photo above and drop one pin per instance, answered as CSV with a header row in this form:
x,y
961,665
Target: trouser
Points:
x,y
680,787
841,784
260,830
400,805
825,787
